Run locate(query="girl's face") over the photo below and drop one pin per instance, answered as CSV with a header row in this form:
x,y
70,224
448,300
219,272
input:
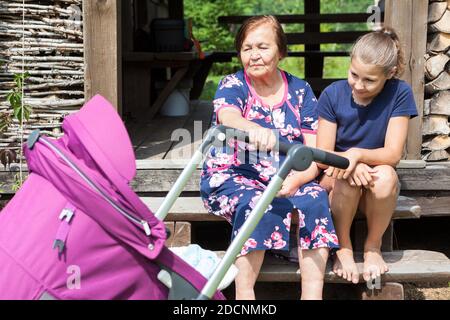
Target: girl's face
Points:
x,y
366,80
259,52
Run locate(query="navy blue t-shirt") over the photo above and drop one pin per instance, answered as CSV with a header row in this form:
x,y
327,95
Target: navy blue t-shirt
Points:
x,y
364,126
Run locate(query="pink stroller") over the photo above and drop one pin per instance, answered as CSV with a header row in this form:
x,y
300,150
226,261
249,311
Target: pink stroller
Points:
x,y
76,230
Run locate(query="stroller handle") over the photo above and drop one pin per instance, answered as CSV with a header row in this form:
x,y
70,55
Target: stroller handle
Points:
x,y
318,155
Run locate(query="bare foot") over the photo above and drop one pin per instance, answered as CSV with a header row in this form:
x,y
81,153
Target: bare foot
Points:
x,y
345,266
374,265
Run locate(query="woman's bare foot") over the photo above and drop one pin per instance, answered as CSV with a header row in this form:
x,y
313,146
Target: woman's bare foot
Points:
x,y
374,265
345,266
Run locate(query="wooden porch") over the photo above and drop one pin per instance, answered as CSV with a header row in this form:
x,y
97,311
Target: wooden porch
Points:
x,y
164,144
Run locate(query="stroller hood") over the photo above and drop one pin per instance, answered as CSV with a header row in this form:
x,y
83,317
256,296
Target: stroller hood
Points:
x,y
103,134
113,239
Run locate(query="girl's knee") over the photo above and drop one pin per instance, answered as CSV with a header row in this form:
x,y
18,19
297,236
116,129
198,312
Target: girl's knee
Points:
x,y
386,182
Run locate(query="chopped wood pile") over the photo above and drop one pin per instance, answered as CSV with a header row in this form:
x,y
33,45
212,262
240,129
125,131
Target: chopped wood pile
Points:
x,y
436,128
49,47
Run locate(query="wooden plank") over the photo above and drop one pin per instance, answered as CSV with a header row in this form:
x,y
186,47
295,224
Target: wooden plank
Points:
x,y
409,19
432,178
435,177
319,84
313,66
127,26
143,164
310,18
411,164
388,291
176,9
180,234
153,141
181,163
192,209
166,57
404,266
103,50
309,38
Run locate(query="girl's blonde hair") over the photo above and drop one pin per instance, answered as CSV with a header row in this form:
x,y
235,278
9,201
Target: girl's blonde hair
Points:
x,y
381,48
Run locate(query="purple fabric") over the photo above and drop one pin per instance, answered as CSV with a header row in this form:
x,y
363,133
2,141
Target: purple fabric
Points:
x,y
106,255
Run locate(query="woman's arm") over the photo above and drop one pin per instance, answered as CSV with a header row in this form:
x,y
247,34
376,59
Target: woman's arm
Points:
x,y
260,137
233,118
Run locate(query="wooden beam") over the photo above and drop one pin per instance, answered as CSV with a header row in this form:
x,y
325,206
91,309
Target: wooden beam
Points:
x,y
313,67
103,52
313,18
176,9
409,19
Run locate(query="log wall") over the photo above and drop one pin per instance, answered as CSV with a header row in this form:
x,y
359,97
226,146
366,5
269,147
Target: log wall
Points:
x,y
436,129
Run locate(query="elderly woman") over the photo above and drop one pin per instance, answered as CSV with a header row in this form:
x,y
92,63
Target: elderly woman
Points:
x,y
268,103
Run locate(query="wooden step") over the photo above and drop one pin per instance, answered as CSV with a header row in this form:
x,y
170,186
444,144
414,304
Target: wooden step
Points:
x,y
404,266
192,209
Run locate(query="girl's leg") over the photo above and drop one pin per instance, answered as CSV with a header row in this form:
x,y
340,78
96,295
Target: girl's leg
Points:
x,y
378,204
249,267
312,267
344,201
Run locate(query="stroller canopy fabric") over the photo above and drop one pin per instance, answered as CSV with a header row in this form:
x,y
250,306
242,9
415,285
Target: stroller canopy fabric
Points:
x,y
76,230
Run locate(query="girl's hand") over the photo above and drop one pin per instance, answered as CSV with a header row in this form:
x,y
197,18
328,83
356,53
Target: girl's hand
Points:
x,y
262,138
362,176
289,187
353,156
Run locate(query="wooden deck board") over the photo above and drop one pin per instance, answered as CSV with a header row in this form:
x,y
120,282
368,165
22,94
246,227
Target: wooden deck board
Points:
x,y
192,209
404,266
155,140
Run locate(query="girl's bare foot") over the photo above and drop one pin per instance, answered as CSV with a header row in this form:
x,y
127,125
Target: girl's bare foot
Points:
x,y
374,265
345,266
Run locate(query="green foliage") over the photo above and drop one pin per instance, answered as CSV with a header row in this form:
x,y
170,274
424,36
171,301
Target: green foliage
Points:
x,y
215,37
15,101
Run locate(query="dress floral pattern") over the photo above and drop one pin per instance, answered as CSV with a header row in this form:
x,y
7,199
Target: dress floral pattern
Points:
x,y
235,176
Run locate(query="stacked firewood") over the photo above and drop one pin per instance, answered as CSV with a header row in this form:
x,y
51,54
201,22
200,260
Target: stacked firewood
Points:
x,y
44,38
436,129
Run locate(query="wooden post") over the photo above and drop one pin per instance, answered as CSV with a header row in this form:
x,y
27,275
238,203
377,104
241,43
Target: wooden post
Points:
x,y
313,66
176,9
102,50
409,19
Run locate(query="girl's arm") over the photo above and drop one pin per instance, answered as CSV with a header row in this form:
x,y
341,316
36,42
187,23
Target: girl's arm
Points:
x,y
394,143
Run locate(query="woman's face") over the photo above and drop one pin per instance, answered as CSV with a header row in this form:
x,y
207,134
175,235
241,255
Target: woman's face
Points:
x,y
259,52
366,80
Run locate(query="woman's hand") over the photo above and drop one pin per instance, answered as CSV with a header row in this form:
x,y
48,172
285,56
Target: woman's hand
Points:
x,y
362,176
262,138
353,155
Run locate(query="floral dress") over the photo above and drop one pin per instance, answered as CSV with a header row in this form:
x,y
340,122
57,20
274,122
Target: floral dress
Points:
x,y
234,176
